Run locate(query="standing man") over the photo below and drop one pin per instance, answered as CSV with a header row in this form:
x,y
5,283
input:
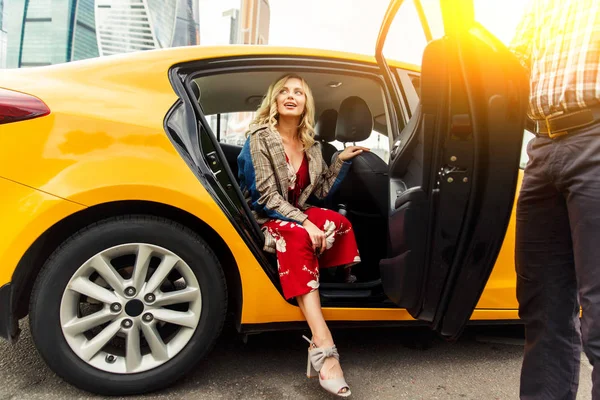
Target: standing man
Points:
x,y
558,212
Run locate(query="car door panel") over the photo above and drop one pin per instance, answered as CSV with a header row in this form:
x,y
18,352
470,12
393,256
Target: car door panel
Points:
x,y
403,276
453,174
499,109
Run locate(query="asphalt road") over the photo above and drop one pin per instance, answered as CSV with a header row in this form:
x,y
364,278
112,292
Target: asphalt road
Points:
x,y
378,363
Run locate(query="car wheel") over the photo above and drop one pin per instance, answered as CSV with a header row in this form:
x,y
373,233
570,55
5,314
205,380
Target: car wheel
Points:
x,y
128,305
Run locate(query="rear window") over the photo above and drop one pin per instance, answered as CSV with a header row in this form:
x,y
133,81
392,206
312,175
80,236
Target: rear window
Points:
x,y
230,128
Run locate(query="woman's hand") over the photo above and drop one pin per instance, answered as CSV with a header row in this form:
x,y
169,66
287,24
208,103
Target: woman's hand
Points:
x,y
351,151
316,236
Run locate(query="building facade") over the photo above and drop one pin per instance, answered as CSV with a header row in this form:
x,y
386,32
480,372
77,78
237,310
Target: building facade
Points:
x,y
45,32
132,25
254,22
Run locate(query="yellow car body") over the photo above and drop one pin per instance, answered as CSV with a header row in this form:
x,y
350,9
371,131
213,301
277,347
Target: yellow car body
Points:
x,y
104,144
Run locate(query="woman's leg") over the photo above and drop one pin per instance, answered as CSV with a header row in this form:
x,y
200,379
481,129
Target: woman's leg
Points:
x,y
310,304
299,276
297,263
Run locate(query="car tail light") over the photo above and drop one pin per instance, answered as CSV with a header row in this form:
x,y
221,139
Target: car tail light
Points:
x,y
17,106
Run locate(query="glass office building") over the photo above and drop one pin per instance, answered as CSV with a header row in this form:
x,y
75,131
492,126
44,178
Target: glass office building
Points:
x,y
45,32
3,34
132,25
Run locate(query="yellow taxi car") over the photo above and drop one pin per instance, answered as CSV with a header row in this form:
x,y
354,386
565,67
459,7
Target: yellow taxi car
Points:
x,y
125,238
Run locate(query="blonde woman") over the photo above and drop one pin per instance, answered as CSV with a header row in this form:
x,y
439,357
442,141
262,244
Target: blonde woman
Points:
x,y
281,169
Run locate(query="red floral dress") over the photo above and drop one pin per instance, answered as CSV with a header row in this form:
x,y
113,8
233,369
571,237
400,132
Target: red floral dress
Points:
x,y
297,262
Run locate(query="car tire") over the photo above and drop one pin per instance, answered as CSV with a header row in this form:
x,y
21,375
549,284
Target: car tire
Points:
x,y
52,288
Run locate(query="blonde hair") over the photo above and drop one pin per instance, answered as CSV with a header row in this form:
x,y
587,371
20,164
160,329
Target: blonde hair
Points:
x,y
267,112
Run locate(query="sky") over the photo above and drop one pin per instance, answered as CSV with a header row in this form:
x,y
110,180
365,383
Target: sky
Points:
x,y
350,25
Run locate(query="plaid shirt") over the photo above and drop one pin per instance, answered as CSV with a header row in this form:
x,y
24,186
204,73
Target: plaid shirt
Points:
x,y
559,42
265,179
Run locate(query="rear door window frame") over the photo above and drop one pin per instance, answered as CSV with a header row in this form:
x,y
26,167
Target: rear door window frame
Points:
x,y
181,76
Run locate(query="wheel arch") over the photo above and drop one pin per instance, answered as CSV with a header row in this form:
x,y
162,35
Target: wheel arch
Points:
x,y
34,258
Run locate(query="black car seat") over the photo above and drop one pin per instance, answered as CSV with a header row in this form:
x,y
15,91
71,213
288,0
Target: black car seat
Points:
x,y
365,188
325,133
364,191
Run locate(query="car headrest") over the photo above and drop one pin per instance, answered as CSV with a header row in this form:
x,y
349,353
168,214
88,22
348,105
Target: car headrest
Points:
x,y
354,122
325,126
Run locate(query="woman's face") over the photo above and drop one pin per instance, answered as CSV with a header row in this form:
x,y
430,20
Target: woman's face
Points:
x,y
291,99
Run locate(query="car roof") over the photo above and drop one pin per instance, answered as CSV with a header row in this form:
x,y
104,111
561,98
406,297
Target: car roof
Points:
x,y
170,56
144,74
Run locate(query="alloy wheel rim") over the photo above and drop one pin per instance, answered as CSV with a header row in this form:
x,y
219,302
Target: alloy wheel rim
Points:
x,y
130,308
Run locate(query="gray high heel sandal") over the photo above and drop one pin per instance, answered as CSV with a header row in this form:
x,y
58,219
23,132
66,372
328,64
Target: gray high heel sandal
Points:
x,y
316,359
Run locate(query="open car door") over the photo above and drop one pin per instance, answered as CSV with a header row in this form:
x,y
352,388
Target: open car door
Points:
x,y
453,167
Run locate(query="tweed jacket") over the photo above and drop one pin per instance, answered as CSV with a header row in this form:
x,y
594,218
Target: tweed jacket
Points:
x,y
265,178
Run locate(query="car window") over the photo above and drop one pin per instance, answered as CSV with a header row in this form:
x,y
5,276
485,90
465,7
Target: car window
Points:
x,y
406,41
406,38
411,85
231,128
415,81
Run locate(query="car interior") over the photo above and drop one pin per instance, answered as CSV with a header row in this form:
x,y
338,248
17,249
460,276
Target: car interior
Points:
x,y
349,110
416,210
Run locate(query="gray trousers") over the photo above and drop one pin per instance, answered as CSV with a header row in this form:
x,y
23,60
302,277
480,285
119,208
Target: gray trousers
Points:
x,y
558,263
